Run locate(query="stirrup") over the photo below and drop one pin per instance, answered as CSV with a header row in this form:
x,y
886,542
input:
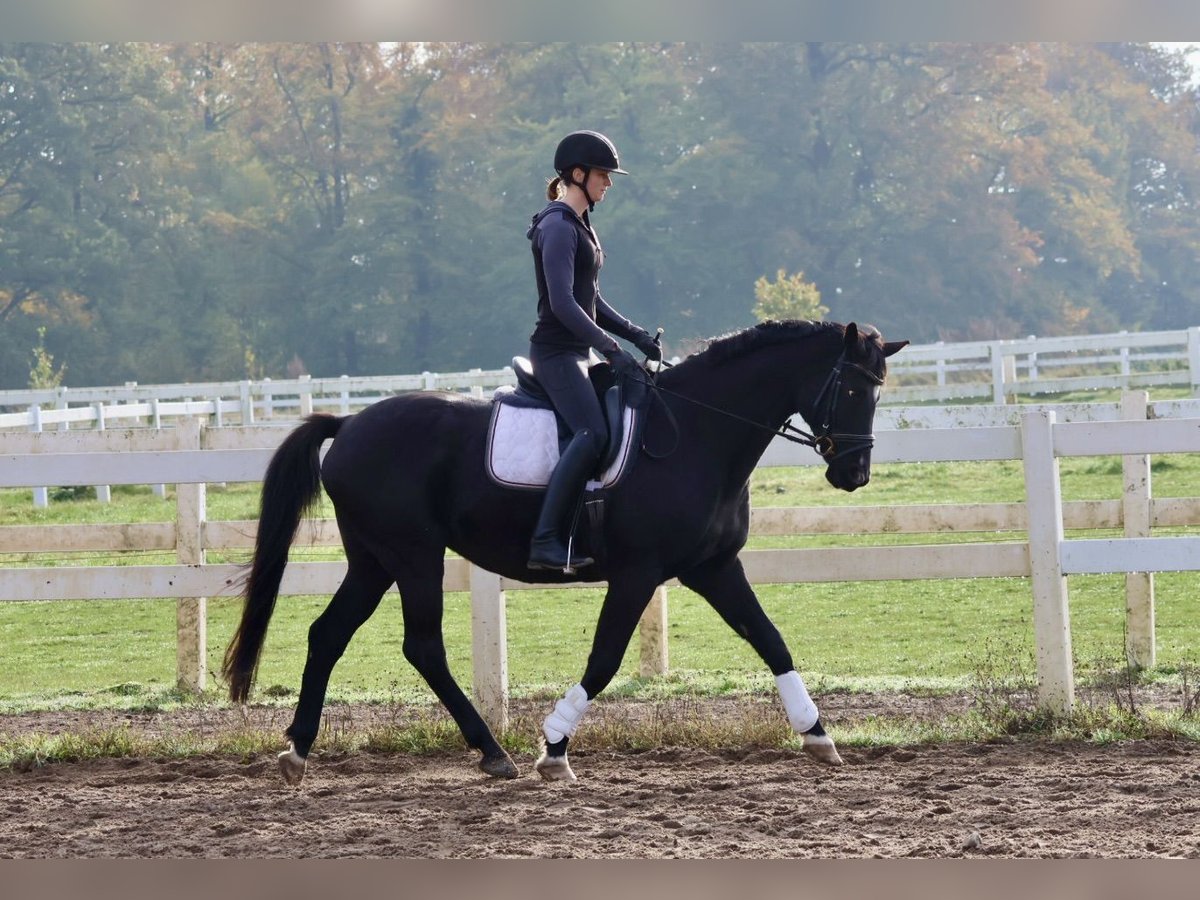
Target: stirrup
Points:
x,y
568,564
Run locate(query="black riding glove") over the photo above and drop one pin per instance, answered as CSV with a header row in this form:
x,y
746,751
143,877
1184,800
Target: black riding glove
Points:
x,y
623,364
646,344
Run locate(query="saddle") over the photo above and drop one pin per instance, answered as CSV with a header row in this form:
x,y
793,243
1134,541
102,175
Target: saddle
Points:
x,y
526,435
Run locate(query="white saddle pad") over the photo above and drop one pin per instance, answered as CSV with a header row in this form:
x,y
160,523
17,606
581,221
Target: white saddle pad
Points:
x,y
522,448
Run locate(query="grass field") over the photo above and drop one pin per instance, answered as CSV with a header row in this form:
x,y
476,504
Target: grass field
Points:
x,y
924,635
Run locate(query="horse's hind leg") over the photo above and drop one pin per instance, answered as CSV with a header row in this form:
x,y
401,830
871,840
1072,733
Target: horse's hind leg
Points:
x,y
723,584
353,603
421,599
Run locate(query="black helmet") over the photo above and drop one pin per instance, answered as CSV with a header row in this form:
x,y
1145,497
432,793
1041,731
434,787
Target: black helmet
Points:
x,y
589,149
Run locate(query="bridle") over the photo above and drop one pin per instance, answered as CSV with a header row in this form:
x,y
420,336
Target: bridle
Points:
x,y
830,445
825,442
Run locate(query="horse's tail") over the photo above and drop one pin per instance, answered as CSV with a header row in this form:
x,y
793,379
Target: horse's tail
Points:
x,y
290,488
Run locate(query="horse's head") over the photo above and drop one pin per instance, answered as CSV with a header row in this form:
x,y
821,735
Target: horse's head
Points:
x,y
844,412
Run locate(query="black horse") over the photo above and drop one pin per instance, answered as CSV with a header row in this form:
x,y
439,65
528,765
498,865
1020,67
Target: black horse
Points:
x,y
407,481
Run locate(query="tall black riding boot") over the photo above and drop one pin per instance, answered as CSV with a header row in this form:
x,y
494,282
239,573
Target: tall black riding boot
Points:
x,y
548,549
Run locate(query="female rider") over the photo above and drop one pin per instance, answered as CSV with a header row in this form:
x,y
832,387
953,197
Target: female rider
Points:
x,y
572,318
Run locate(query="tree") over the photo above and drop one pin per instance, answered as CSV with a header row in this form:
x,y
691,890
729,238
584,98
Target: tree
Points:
x,y
43,374
787,297
78,127
187,211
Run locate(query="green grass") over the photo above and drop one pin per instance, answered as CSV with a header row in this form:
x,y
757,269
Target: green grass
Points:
x,y
1084,478
922,635
131,503
872,636
668,723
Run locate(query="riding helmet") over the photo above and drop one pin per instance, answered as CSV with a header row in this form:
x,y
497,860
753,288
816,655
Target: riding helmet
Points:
x,y
589,149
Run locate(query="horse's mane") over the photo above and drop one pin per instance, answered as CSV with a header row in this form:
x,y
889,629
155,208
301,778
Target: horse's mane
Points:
x,y
763,334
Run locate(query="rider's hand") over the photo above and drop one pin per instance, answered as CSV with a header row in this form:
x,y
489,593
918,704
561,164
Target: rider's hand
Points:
x,y
623,363
646,344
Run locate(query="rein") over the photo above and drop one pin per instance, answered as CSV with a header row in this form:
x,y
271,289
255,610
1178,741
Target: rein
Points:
x,y
825,442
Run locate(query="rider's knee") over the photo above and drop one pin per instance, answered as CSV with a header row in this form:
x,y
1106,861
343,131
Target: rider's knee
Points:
x,y
593,440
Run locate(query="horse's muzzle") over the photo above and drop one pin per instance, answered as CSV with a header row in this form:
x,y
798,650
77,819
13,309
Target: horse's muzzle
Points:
x,y
848,478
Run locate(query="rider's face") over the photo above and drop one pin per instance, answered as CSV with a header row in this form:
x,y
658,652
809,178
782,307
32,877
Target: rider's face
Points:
x,y
598,183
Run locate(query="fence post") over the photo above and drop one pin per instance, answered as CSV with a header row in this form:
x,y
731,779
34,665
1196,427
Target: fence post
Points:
x,y
1010,379
60,403
941,366
1193,355
306,406
652,634
268,400
247,399
344,406
996,353
1135,516
160,490
191,620
1051,613
489,648
41,496
1033,369
103,491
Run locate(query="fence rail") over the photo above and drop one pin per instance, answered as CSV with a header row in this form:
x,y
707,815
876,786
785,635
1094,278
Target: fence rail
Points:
x,y
190,455
987,371
981,371
998,371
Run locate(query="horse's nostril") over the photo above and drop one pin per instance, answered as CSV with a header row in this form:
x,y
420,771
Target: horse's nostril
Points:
x,y
852,479
844,479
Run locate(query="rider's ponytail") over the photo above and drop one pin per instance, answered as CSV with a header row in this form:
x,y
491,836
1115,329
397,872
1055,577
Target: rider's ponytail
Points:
x,y
554,188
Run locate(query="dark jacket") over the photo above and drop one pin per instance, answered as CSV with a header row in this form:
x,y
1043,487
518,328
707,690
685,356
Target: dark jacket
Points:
x,y
567,258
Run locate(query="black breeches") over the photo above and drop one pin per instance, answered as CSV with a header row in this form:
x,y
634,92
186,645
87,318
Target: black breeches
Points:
x,y
563,373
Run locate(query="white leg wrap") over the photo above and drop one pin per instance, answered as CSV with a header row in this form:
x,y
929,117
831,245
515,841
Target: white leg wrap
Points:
x,y
567,712
801,711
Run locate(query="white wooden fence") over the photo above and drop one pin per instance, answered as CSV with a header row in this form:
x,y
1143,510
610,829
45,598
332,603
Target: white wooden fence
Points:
x,y
229,402
998,371
190,456
990,371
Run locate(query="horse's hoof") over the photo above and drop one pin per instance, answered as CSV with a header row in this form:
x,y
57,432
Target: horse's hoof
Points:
x,y
553,768
499,765
821,748
292,766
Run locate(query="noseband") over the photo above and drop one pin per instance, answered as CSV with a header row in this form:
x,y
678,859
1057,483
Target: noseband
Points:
x,y
826,441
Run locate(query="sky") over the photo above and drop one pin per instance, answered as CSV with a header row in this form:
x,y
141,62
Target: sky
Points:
x,y
1193,57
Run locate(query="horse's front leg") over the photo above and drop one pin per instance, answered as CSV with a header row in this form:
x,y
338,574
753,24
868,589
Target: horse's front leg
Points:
x,y
623,605
723,584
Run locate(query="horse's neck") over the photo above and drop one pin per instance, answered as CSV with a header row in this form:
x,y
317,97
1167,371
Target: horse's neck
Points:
x,y
763,390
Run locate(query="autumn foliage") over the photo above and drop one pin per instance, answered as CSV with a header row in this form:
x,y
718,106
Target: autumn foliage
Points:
x,y
175,212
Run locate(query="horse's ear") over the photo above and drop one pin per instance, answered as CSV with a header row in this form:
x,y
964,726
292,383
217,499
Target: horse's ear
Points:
x,y
851,336
892,347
